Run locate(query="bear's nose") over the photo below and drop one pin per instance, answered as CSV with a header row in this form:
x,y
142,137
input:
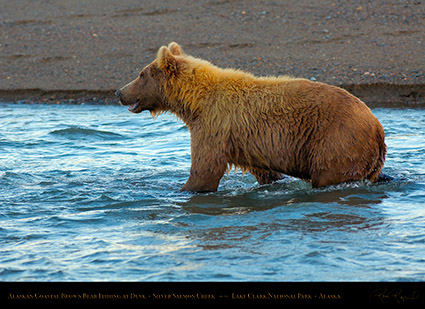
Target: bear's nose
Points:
x,y
118,93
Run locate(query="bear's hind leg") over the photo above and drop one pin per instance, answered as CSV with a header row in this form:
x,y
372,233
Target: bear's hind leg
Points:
x,y
265,176
326,178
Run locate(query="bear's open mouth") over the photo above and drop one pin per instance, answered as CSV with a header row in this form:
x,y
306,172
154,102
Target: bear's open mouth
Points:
x,y
134,108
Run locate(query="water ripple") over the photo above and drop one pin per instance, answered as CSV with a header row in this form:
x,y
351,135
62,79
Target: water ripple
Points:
x,y
78,133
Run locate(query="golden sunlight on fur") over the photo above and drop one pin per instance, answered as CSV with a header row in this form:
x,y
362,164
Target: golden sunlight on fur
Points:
x,y
268,126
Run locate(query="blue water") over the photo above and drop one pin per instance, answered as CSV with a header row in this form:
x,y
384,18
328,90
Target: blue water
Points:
x,y
91,193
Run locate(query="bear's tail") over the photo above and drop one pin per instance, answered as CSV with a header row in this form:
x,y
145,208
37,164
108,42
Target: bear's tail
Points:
x,y
376,174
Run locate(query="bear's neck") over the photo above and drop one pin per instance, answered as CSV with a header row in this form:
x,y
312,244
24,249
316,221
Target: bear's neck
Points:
x,y
190,95
186,99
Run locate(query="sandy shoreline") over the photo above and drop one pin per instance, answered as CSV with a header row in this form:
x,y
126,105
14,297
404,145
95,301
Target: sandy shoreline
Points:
x,y
71,51
375,95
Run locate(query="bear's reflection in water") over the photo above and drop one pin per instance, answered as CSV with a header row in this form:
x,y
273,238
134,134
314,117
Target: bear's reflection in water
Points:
x,y
254,212
286,193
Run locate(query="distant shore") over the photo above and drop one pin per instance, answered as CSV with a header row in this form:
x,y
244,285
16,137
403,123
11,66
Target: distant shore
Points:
x,y
77,52
380,95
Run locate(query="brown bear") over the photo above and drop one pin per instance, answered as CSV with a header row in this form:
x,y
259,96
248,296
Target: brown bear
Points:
x,y
268,126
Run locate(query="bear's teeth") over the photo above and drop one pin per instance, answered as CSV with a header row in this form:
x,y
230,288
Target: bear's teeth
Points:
x,y
133,107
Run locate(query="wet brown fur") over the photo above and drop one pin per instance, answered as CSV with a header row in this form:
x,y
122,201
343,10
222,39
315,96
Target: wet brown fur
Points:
x,y
268,126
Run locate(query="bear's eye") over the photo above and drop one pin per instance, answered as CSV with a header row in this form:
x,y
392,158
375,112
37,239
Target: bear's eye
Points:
x,y
141,75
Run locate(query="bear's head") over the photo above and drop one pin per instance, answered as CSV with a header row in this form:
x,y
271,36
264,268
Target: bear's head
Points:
x,y
146,91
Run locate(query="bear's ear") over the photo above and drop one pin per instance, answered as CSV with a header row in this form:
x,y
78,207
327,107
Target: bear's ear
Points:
x,y
175,49
166,61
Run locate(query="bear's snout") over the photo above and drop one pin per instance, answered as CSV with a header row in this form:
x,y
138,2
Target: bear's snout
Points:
x,y
118,94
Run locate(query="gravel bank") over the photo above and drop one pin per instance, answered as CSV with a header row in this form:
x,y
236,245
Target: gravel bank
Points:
x,y
72,51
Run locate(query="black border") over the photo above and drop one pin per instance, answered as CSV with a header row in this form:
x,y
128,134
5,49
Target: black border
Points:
x,y
238,293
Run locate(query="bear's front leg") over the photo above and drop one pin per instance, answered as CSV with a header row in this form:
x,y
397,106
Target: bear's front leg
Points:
x,y
208,167
202,181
